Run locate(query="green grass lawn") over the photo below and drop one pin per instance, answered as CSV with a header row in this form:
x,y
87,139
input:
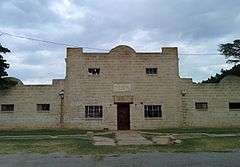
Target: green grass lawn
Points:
x,y
85,147
196,130
53,132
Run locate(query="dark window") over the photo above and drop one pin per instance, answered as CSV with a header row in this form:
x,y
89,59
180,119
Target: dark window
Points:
x,y
151,70
234,106
152,111
7,107
43,107
93,111
201,105
94,71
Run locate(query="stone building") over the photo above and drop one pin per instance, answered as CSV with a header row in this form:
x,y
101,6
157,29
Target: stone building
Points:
x,y
122,90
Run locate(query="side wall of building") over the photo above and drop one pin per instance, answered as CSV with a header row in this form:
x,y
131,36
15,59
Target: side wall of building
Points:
x,y
25,99
218,96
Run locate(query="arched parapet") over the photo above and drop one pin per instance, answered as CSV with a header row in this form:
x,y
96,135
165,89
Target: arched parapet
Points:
x,y
122,50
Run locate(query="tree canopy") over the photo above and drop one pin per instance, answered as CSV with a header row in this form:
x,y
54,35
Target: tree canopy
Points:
x,y
3,64
218,77
5,82
231,51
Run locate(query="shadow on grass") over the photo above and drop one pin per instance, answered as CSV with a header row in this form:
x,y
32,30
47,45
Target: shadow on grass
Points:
x,y
196,130
53,132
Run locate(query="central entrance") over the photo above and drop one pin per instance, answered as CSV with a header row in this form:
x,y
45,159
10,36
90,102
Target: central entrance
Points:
x,y
123,116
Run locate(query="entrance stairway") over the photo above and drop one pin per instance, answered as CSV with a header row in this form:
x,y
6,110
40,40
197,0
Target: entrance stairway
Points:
x,y
131,138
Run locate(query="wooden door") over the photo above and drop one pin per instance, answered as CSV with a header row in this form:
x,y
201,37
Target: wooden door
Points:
x,y
123,116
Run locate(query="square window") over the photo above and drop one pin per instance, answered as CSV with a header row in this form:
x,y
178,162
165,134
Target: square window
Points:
x,y
201,105
93,111
151,111
43,107
94,71
7,107
151,71
234,106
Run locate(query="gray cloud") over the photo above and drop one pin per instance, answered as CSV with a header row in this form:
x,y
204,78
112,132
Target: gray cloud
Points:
x,y
193,26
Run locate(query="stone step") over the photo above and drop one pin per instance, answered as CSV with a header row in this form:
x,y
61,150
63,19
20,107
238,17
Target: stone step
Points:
x,y
131,138
134,143
103,141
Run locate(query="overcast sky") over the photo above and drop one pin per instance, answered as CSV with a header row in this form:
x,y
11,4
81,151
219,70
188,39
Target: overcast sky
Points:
x,y
146,25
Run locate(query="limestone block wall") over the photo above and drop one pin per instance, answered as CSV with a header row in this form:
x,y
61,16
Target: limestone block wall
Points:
x,y
122,66
123,76
218,97
25,99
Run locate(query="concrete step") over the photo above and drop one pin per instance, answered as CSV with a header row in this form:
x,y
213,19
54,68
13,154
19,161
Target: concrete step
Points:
x,y
103,141
131,138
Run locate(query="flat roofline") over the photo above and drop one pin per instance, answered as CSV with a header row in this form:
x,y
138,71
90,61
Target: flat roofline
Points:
x,y
120,48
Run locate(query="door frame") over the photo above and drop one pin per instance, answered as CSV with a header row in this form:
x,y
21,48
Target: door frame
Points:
x,y
128,126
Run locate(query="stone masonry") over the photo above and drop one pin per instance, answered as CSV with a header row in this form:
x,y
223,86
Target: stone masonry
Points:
x,y
122,79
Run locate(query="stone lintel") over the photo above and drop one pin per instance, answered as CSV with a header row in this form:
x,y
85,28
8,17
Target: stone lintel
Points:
x,y
123,99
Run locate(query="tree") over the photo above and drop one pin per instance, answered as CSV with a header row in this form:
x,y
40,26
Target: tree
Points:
x,y
3,64
218,77
5,82
231,51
